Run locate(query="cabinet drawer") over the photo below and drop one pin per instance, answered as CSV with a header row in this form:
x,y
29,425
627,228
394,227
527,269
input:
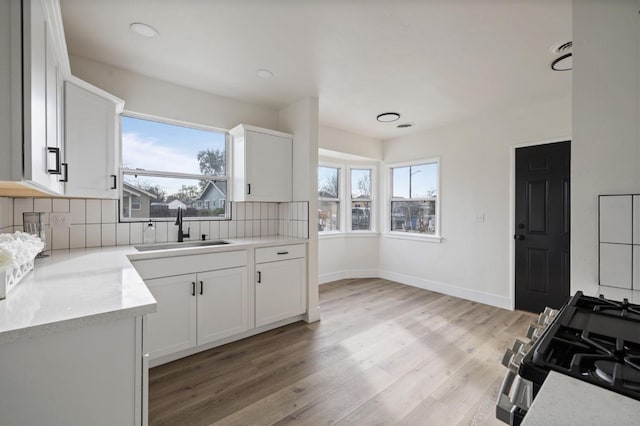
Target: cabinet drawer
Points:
x,y
178,265
273,254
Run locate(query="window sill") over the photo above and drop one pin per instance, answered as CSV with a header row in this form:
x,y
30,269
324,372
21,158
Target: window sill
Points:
x,y
352,234
327,235
415,237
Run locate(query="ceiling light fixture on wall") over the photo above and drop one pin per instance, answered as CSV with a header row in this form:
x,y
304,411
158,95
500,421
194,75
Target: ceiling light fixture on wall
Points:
x,y
404,125
264,73
388,117
144,30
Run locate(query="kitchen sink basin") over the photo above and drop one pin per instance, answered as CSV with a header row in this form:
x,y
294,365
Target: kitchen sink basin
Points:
x,y
169,246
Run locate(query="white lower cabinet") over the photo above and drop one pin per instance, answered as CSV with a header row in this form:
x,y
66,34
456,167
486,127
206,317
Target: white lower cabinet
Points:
x,y
173,327
222,304
195,309
280,285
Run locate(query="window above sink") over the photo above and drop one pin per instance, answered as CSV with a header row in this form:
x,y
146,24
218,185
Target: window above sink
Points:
x,y
168,165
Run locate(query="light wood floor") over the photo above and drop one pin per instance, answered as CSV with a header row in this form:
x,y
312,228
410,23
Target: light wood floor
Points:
x,y
383,354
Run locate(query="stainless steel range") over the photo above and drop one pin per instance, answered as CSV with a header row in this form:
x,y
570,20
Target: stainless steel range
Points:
x,y
591,339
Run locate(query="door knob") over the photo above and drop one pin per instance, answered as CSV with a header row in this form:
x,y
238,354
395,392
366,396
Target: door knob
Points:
x,y
518,237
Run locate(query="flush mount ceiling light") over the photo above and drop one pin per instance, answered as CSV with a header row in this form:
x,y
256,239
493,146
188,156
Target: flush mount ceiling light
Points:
x,y
404,125
144,30
564,62
388,117
264,73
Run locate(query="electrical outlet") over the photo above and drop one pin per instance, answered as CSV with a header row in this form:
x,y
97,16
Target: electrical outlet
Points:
x,y
59,220
480,218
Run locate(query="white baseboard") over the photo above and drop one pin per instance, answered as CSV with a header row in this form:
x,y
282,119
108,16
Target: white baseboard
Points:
x,y
451,290
352,273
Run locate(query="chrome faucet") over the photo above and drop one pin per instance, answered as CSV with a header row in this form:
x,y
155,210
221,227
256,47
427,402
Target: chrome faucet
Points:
x,y
181,235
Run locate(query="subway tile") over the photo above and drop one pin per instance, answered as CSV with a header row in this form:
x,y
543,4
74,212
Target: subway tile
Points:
x,y
60,205
240,229
273,211
282,213
135,232
249,211
300,231
232,227
273,227
94,211
293,211
42,205
77,236
108,208
60,238
239,211
21,205
122,234
161,232
305,211
264,211
224,229
194,230
77,211
172,232
93,235
108,234
214,230
305,229
47,237
264,227
6,212
300,214
256,228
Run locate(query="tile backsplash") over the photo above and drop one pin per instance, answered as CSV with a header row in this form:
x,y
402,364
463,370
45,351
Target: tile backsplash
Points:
x,y
94,223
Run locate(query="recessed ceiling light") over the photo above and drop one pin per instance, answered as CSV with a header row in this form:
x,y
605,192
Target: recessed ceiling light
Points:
x,y
404,125
263,73
563,63
144,30
388,117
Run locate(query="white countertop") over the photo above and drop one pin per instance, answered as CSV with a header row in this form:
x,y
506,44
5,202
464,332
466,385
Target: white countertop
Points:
x,y
79,287
563,400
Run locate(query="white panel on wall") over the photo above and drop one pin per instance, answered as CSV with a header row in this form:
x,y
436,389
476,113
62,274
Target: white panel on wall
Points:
x,y
636,219
636,267
615,219
94,211
77,210
615,265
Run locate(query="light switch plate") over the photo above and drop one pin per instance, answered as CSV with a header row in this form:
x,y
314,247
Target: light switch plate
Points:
x,y
480,218
59,220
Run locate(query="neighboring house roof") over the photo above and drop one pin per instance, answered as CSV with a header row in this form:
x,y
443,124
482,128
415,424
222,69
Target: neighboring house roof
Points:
x,y
132,189
212,186
174,204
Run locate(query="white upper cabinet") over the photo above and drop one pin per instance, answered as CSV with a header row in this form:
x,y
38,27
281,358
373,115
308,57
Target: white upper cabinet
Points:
x,y
262,164
35,64
91,134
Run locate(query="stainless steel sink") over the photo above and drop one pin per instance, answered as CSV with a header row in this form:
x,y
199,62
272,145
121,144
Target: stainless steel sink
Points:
x,y
169,246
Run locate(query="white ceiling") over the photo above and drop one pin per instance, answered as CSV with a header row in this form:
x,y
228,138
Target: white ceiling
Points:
x,y
435,62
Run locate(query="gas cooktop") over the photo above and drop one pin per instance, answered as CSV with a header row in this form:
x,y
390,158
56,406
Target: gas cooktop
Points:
x,y
592,339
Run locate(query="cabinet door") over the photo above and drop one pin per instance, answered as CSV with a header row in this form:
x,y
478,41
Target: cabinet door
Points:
x,y
222,304
268,164
90,144
53,121
280,290
34,38
173,327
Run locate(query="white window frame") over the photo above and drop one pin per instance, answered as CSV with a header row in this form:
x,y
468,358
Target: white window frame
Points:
x,y
386,215
373,199
141,172
340,199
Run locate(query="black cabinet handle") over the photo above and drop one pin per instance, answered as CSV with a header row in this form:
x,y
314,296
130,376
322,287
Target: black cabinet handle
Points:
x,y
66,173
259,277
201,287
518,237
283,252
248,188
193,288
115,182
56,170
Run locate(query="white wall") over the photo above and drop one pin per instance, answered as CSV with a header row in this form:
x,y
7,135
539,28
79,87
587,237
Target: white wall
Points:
x,y
301,120
350,143
605,151
147,95
472,260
